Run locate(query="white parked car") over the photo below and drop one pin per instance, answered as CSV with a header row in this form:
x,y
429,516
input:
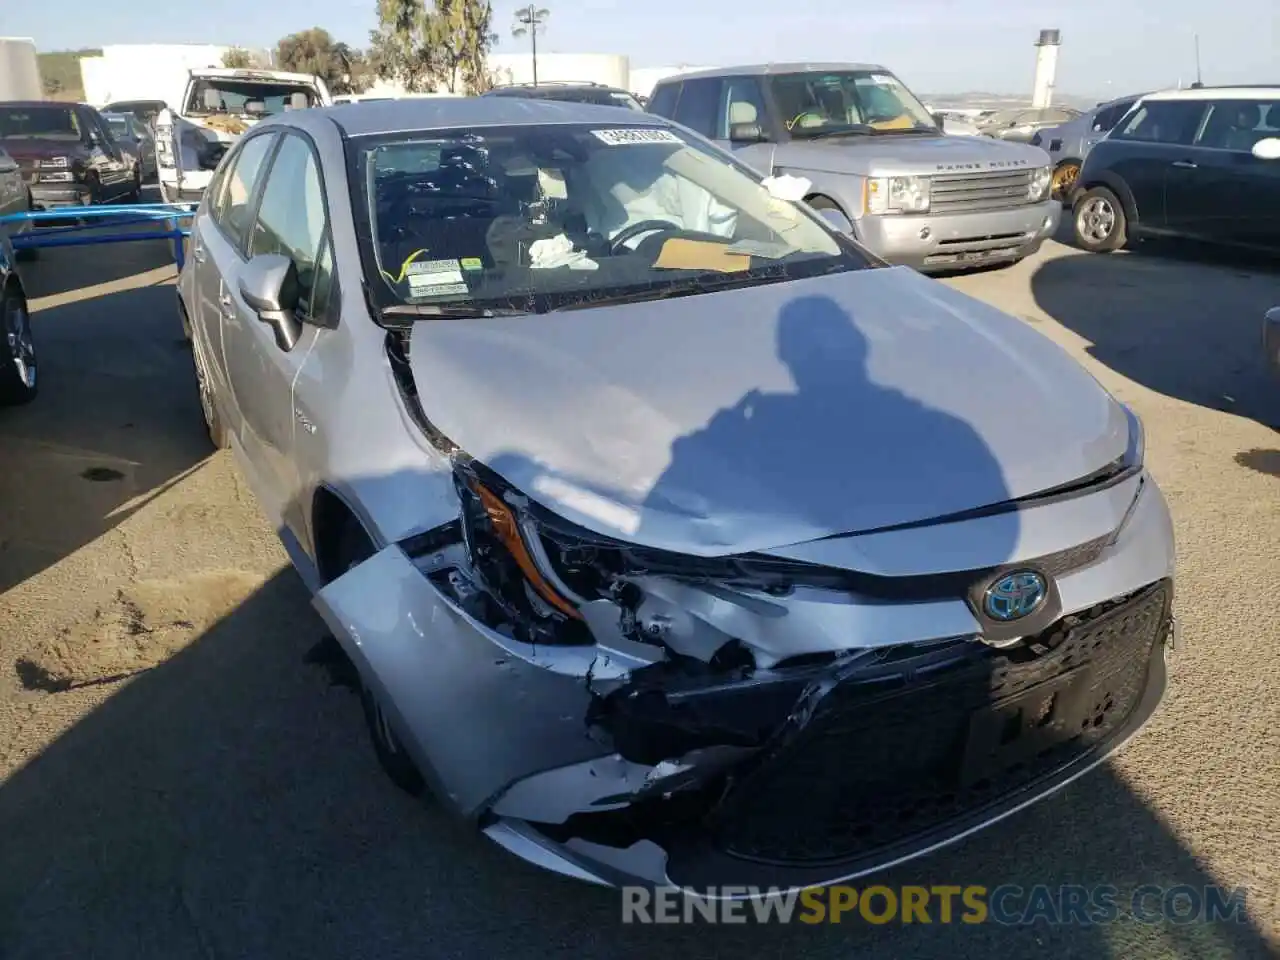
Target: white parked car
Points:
x,y
217,107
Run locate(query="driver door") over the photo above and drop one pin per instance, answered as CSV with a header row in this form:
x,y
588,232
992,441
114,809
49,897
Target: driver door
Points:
x,y
741,104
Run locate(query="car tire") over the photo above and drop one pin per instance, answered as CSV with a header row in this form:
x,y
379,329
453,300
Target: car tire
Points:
x,y
18,381
213,424
1098,221
353,548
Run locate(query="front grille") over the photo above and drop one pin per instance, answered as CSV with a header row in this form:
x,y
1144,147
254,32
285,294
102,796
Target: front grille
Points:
x,y
972,192
879,764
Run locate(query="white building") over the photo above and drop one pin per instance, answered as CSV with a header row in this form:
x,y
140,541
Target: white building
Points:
x,y
19,70
150,71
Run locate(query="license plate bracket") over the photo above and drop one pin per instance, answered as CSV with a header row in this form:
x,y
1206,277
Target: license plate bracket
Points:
x,y
1019,727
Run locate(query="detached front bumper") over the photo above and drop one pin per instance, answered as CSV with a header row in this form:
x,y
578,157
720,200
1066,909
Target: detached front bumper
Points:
x,y
613,764
932,243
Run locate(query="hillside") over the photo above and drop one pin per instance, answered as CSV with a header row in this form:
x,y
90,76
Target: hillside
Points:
x,y
60,71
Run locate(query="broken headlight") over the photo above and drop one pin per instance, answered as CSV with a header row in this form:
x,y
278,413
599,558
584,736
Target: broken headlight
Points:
x,y
507,553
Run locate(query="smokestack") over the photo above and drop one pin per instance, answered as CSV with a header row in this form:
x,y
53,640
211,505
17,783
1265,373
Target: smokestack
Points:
x,y
1046,68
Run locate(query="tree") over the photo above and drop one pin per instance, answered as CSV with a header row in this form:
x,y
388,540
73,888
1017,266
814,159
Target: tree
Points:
x,y
237,58
314,51
444,43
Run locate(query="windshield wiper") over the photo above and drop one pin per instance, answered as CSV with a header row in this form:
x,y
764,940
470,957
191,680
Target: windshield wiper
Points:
x,y
681,288
459,311
854,130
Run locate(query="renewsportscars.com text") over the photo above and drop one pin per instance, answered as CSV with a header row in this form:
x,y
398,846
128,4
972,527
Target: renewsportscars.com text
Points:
x,y
940,904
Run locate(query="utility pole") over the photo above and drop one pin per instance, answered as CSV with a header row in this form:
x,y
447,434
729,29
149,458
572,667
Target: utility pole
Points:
x,y
530,20
1199,80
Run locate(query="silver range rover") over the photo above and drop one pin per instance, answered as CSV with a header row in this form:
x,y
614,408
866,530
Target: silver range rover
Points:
x,y
877,162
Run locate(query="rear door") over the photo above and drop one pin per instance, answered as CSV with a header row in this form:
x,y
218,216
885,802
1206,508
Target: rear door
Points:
x,y
219,238
1157,138
291,220
1229,195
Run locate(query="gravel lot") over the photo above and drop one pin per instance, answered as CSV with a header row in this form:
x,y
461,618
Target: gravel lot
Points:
x,y
180,778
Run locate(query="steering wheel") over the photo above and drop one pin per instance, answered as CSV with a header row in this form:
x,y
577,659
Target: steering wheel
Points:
x,y
639,229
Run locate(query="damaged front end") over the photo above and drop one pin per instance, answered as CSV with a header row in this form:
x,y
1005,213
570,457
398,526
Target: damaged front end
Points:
x,y
624,714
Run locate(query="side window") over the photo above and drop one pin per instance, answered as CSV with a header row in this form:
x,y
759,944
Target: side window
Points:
x,y
742,102
698,106
664,100
233,210
291,218
1163,121
1109,117
1234,125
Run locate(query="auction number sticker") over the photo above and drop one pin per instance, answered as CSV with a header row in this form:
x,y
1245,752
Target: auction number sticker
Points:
x,y
435,278
634,135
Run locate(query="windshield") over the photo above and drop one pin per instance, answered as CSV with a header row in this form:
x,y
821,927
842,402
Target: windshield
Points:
x,y
43,123
823,103
252,98
543,217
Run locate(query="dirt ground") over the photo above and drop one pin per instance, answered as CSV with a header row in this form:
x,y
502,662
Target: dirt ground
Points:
x,y
180,778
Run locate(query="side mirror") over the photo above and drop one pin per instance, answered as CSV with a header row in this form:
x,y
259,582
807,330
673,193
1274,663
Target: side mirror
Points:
x,y
269,285
746,133
1267,149
939,120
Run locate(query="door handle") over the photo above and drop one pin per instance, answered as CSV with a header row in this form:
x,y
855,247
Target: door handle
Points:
x,y
1184,164
198,253
228,306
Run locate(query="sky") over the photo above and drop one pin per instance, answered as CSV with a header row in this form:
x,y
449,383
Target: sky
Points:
x,y
1109,47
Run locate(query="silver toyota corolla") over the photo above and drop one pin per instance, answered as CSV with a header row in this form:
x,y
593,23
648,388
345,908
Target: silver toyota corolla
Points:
x,y
676,539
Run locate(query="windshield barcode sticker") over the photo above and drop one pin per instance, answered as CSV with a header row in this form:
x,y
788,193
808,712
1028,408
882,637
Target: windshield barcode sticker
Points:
x,y
438,290
633,135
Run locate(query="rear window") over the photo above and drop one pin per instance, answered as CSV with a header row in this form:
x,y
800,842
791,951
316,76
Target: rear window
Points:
x,y
227,95
43,123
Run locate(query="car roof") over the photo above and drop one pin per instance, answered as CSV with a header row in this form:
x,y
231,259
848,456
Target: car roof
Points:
x,y
517,88
760,69
441,113
69,104
1218,93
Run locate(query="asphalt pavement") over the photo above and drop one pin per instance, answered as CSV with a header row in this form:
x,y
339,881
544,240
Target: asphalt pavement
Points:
x,y
181,775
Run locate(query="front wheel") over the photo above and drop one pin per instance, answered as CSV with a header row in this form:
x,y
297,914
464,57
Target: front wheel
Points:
x,y
18,383
1065,175
1099,221
353,549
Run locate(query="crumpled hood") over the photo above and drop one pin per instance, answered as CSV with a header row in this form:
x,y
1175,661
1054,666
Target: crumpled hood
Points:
x,y
770,415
